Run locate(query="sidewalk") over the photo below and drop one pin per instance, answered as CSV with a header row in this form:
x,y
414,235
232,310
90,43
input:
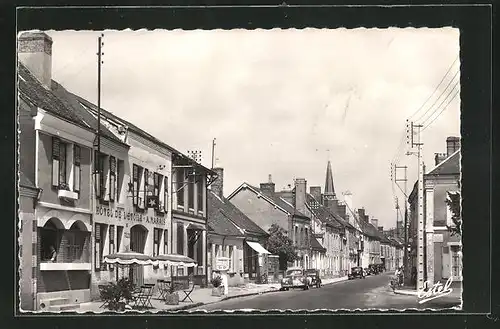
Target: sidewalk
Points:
x,y
202,296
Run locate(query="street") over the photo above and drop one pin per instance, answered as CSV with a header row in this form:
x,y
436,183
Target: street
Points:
x,y
370,293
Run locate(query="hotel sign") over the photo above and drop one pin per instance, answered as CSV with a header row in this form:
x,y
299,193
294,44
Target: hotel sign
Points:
x,y
122,214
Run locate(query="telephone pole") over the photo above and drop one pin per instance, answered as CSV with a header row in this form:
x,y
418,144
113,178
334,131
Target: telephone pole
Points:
x,y
405,226
416,130
97,166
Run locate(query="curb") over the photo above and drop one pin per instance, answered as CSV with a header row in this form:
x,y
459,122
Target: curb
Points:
x,y
406,292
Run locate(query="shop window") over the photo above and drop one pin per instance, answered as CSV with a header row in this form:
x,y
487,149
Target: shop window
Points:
x,y
180,186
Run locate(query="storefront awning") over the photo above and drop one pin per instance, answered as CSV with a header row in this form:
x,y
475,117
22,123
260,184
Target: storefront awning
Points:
x,y
129,258
257,247
176,260
195,227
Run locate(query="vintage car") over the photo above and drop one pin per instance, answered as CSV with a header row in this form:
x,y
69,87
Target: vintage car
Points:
x,y
294,278
356,272
313,278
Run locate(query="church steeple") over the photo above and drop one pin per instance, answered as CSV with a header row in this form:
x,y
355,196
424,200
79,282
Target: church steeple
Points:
x,y
329,188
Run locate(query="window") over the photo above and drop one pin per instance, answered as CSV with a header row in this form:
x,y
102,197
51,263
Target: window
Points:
x,y
456,262
111,242
100,168
179,187
180,238
200,194
98,250
120,174
191,192
62,163
142,202
119,234
165,194
156,241
165,242
135,181
157,179
112,178
76,165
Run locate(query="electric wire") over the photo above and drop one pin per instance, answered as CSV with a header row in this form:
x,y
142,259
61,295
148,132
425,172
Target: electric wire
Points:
x,y
444,108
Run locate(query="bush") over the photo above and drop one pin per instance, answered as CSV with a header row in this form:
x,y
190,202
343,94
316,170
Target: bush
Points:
x,y
117,295
216,282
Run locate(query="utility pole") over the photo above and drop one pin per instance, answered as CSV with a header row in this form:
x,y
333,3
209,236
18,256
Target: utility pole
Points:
x,y
405,226
416,130
213,152
97,167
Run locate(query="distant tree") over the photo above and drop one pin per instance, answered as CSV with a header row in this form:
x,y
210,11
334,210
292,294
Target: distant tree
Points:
x,y
280,244
453,202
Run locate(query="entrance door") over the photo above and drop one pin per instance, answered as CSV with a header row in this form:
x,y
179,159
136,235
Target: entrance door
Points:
x,y
138,236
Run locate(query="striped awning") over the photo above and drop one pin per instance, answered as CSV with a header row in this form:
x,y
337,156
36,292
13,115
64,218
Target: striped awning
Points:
x,y
129,258
176,260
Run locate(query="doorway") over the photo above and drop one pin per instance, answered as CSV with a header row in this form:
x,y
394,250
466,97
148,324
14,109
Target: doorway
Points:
x,y
138,237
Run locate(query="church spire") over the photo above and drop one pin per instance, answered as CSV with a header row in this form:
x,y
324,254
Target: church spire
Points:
x,y
329,189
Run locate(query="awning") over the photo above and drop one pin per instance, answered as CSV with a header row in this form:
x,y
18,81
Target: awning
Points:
x,y
257,247
176,260
195,227
129,258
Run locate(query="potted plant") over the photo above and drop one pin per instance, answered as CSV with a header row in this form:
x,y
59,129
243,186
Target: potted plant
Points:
x,y
218,289
172,297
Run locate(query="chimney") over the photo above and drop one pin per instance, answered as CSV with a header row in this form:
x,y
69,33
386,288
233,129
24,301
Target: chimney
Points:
x,y
300,194
34,50
366,218
361,213
315,191
374,222
452,145
342,210
217,186
269,186
381,229
439,157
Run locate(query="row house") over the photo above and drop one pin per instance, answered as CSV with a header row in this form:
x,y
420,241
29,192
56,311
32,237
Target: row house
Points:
x,y
56,150
442,256
232,234
150,201
265,207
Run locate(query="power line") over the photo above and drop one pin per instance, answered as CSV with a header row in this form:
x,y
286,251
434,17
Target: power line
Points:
x,y
449,83
439,106
437,87
444,108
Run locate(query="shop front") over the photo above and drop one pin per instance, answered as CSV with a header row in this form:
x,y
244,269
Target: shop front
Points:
x,y
63,256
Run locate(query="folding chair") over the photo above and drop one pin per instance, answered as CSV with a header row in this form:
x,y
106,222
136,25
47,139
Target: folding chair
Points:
x,y
162,289
139,297
188,291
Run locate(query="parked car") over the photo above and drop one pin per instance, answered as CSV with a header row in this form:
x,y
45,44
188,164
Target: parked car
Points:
x,y
356,272
313,278
366,271
294,278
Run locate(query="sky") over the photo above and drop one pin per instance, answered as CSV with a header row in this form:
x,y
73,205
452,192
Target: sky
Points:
x,y
280,102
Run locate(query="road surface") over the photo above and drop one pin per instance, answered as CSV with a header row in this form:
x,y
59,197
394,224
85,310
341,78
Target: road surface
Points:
x,y
370,293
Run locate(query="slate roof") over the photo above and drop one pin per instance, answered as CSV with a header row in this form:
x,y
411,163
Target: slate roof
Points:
x,y
58,101
276,199
370,230
223,215
141,132
449,166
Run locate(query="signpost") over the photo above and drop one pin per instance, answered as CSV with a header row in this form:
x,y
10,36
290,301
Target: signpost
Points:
x,y
222,266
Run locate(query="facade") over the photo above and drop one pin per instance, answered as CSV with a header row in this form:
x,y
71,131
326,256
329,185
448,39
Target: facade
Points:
x,y
442,250
60,144
265,207
232,234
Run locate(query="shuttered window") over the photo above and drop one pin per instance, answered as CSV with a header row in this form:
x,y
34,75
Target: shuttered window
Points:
x,y
76,167
145,187
135,182
179,187
112,178
97,247
55,161
165,202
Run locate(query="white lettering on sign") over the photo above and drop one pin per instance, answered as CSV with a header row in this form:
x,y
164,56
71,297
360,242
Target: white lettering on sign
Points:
x,y
131,216
436,291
